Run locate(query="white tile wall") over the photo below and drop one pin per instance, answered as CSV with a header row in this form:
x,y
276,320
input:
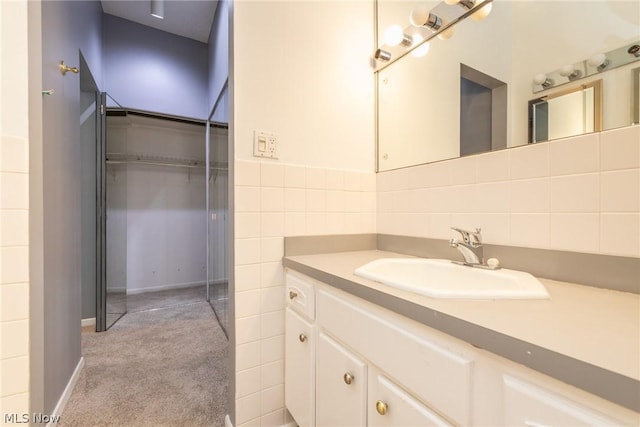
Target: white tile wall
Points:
x,y
272,201
14,211
578,194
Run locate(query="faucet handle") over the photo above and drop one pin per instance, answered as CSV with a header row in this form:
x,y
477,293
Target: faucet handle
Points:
x,y
473,238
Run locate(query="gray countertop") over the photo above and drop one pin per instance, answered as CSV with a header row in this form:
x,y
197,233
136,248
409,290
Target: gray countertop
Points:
x,y
585,336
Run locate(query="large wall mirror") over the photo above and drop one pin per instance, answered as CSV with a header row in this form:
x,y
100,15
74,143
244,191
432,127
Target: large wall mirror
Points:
x,y
471,93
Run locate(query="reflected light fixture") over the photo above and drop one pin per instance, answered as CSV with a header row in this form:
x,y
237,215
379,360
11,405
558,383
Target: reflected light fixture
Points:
x,y
421,17
599,60
542,80
634,50
480,14
570,72
421,50
382,55
394,35
157,9
446,34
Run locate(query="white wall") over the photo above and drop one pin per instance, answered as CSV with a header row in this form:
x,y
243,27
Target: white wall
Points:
x,y
156,214
14,209
301,69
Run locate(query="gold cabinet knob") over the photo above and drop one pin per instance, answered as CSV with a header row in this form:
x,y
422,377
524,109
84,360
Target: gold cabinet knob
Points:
x,y
293,295
381,407
348,378
302,337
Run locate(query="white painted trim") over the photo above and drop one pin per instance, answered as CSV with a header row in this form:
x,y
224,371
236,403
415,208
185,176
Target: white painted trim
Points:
x,y
227,421
88,322
66,394
291,424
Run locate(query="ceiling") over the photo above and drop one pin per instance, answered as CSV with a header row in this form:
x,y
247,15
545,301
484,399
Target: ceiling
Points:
x,y
187,18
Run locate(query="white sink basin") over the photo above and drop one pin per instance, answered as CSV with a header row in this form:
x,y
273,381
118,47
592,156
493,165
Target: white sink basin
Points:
x,y
441,278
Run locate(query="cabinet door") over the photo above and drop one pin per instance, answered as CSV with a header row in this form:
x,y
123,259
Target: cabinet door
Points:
x,y
299,369
389,405
341,386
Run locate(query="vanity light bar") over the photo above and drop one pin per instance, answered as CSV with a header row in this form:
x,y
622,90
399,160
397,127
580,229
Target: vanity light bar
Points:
x,y
595,64
438,21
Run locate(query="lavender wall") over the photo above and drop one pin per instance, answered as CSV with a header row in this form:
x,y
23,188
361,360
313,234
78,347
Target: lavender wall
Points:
x,y
150,70
67,28
219,60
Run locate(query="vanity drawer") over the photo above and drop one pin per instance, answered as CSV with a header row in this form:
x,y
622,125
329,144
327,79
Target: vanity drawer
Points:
x,y
437,375
526,404
300,294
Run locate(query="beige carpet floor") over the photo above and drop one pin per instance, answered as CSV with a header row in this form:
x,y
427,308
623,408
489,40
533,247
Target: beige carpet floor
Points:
x,y
160,367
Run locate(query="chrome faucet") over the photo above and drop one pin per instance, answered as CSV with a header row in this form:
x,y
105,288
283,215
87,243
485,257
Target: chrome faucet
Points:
x,y
470,247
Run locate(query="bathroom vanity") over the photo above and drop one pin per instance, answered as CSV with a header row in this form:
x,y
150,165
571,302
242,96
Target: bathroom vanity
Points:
x,y
361,353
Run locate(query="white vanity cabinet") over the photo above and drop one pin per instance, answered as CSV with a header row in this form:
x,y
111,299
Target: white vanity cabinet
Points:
x,y
362,365
300,348
341,385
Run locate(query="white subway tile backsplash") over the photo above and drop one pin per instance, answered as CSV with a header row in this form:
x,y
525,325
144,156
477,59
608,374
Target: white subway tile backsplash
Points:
x,y
271,175
15,376
336,201
492,197
368,181
530,161
272,349
14,192
248,382
295,199
248,356
248,409
431,175
14,227
271,199
273,419
15,403
272,249
247,173
15,264
295,176
15,339
529,230
465,170
316,178
272,324
247,225
273,399
620,148
316,200
272,299
247,251
14,302
334,179
575,193
353,181
272,224
439,225
529,195
575,155
272,374
14,155
271,274
247,199
620,234
620,191
335,223
247,329
493,166
316,223
575,232
248,303
353,201
295,224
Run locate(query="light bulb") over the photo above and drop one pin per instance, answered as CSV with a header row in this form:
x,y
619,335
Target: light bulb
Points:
x,y
421,50
570,72
483,12
452,2
393,35
446,34
542,80
419,16
599,60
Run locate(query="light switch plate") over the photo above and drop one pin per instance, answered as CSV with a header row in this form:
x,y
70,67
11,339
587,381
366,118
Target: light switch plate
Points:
x,y
265,144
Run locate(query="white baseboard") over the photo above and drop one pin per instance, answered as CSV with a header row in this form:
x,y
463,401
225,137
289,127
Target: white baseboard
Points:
x,y
66,394
88,322
171,286
227,421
